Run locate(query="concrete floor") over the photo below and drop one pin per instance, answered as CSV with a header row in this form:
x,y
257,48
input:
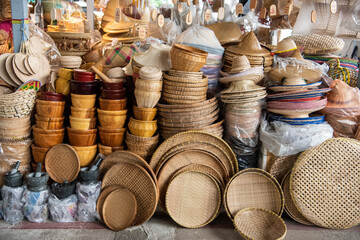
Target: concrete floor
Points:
x,y
159,227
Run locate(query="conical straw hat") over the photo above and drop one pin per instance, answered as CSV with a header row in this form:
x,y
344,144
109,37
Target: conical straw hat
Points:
x,y
240,64
342,96
249,46
286,45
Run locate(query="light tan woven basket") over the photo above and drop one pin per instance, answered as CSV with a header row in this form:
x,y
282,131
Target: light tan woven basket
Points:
x,y
186,58
17,104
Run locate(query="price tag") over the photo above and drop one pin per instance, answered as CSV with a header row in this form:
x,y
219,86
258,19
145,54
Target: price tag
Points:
x,y
221,13
160,20
154,14
313,16
174,2
272,10
117,15
333,7
180,7
207,15
288,9
142,32
253,4
189,18
188,2
239,9
262,13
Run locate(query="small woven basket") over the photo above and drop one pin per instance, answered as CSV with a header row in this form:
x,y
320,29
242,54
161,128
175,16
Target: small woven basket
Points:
x,y
17,104
186,58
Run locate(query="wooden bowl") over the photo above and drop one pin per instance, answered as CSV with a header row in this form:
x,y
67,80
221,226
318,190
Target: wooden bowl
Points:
x,y
48,138
82,112
51,109
145,114
147,99
81,138
112,137
83,101
106,150
142,128
82,123
112,86
148,85
39,153
49,123
51,96
112,104
112,119
86,154
113,94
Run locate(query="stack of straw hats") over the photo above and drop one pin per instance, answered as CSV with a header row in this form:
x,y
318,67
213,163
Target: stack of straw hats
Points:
x,y
15,130
250,47
244,100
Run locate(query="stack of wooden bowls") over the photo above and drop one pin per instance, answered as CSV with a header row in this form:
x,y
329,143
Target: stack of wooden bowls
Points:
x,y
84,83
63,81
82,131
49,124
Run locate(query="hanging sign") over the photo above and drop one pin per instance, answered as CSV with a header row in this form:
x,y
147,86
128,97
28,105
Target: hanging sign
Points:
x,y
313,16
262,13
188,18
160,20
253,4
333,7
239,9
154,14
117,15
207,15
221,13
272,10
142,32
288,9
188,2
180,7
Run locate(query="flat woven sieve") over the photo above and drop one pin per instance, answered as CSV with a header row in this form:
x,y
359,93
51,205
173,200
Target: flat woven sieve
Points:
x,y
324,184
193,199
290,207
182,159
253,188
139,182
101,199
183,137
119,209
62,163
282,165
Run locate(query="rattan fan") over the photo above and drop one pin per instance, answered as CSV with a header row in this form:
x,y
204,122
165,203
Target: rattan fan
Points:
x,y
193,199
253,188
101,199
139,182
324,183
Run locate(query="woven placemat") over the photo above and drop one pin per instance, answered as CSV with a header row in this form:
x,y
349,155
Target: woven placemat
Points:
x,y
253,188
101,199
119,209
181,138
324,183
193,199
139,182
62,163
257,223
290,207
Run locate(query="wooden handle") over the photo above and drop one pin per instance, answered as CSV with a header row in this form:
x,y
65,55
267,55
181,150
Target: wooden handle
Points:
x,y
101,75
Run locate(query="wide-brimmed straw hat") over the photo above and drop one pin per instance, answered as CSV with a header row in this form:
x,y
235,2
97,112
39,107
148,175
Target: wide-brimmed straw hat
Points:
x,y
240,64
295,72
249,45
286,47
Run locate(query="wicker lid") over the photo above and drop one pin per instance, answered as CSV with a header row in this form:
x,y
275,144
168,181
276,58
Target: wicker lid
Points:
x,y
101,199
327,194
249,45
62,163
119,209
253,188
139,182
193,199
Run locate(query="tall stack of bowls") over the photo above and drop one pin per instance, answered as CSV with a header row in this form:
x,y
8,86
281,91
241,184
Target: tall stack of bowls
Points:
x,y
112,116
82,132
49,125
63,81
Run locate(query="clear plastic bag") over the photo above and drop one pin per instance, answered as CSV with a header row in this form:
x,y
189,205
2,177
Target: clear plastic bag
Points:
x,y
12,204
87,195
282,139
36,205
63,210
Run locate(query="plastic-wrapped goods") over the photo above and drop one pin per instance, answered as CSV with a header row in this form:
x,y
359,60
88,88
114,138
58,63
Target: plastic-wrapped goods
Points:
x,y
63,210
283,139
36,205
12,204
87,195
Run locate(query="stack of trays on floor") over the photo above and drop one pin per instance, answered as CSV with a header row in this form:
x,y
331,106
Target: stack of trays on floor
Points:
x,y
142,126
49,124
243,110
128,180
193,165
15,130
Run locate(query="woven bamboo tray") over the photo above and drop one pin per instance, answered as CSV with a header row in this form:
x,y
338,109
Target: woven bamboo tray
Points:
x,y
178,73
136,179
193,199
315,44
340,170
196,113
204,79
257,223
188,136
253,188
201,123
101,199
183,96
187,85
181,108
281,166
290,207
184,92
181,101
178,118
62,163
142,140
119,216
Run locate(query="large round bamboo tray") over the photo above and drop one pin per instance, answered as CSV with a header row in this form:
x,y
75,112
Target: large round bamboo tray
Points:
x,y
101,199
193,199
119,216
188,136
139,182
260,224
62,163
340,170
186,58
253,188
282,165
